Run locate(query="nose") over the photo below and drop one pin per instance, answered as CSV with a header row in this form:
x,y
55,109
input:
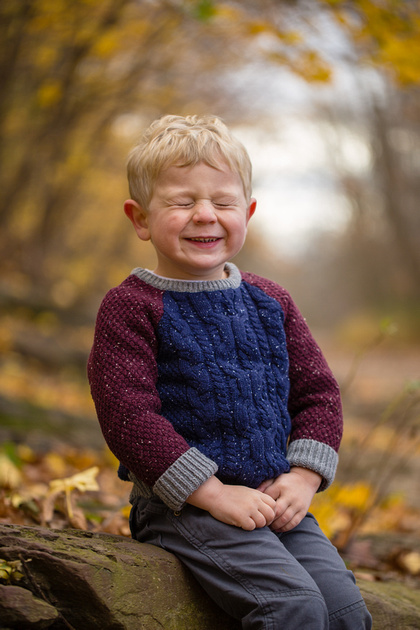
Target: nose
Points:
x,y
204,212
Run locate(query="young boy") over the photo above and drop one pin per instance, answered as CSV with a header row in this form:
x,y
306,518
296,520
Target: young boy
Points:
x,y
215,398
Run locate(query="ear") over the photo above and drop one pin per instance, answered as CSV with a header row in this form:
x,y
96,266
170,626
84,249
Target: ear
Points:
x,y
138,217
251,209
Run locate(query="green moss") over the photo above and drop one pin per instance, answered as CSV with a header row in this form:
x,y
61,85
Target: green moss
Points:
x,y
392,605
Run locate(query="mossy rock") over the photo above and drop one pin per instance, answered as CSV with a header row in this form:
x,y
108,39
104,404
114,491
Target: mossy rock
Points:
x,y
82,580
76,579
392,605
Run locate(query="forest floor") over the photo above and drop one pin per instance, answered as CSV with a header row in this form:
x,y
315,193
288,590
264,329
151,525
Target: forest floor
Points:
x,y
56,471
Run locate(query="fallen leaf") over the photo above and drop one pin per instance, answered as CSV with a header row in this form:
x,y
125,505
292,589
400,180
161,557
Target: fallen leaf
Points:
x,y
410,562
10,571
10,475
83,482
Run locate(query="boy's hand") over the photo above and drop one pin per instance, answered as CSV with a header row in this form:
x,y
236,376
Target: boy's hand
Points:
x,y
234,505
293,493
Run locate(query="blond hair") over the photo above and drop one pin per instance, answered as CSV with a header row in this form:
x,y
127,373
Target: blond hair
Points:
x,y
184,141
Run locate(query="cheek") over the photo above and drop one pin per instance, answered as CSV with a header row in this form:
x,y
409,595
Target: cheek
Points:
x,y
238,229
164,228
172,224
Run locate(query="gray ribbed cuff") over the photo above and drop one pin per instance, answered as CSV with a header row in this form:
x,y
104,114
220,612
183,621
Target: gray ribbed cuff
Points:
x,y
185,475
316,456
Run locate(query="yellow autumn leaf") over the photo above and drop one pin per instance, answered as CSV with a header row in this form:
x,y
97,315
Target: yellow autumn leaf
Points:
x,y
10,476
125,511
355,496
10,571
50,93
228,13
17,500
26,453
56,464
312,67
411,562
106,44
257,27
83,481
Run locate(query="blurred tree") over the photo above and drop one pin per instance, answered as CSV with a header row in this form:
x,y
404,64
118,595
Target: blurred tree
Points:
x,y
374,267
71,71
380,253
79,77
386,220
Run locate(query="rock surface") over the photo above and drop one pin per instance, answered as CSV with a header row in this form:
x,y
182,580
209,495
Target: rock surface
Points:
x,y
78,580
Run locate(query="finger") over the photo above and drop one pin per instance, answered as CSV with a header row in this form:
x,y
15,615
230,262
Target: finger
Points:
x,y
268,500
248,524
294,522
268,514
285,524
274,490
264,485
260,520
281,519
282,505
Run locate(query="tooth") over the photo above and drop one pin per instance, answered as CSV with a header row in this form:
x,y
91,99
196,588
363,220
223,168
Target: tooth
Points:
x,y
204,240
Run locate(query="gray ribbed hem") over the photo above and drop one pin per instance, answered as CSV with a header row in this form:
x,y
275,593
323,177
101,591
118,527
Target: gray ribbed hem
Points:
x,y
316,456
180,480
139,489
191,286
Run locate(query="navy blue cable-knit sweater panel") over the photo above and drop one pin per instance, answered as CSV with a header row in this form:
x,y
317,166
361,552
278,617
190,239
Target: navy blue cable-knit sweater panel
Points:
x,y
223,379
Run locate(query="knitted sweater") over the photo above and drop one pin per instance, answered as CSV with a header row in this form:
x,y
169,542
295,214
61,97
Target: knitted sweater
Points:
x,y
195,378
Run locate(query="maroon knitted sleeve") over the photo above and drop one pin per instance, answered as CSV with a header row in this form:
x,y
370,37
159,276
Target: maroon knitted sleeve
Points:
x,y
314,400
122,372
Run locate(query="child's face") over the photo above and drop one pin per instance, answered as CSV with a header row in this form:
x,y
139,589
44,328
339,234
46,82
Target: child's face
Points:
x,y
197,220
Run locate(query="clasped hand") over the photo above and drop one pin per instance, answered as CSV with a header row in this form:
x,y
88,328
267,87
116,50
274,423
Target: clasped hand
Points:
x,y
293,493
279,503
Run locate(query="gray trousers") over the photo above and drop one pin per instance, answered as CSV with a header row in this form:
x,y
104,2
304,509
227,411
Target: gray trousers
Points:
x,y
269,581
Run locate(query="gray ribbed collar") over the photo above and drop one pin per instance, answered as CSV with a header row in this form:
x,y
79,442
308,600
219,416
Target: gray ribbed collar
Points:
x,y
191,286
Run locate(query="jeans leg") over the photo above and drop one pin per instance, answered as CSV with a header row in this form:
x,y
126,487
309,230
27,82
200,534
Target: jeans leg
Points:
x,y
251,575
308,544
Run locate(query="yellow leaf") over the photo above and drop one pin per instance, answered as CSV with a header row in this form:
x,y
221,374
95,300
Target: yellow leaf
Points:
x,y
125,511
56,464
106,44
10,476
10,571
16,500
354,496
83,481
258,26
26,454
49,94
411,562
